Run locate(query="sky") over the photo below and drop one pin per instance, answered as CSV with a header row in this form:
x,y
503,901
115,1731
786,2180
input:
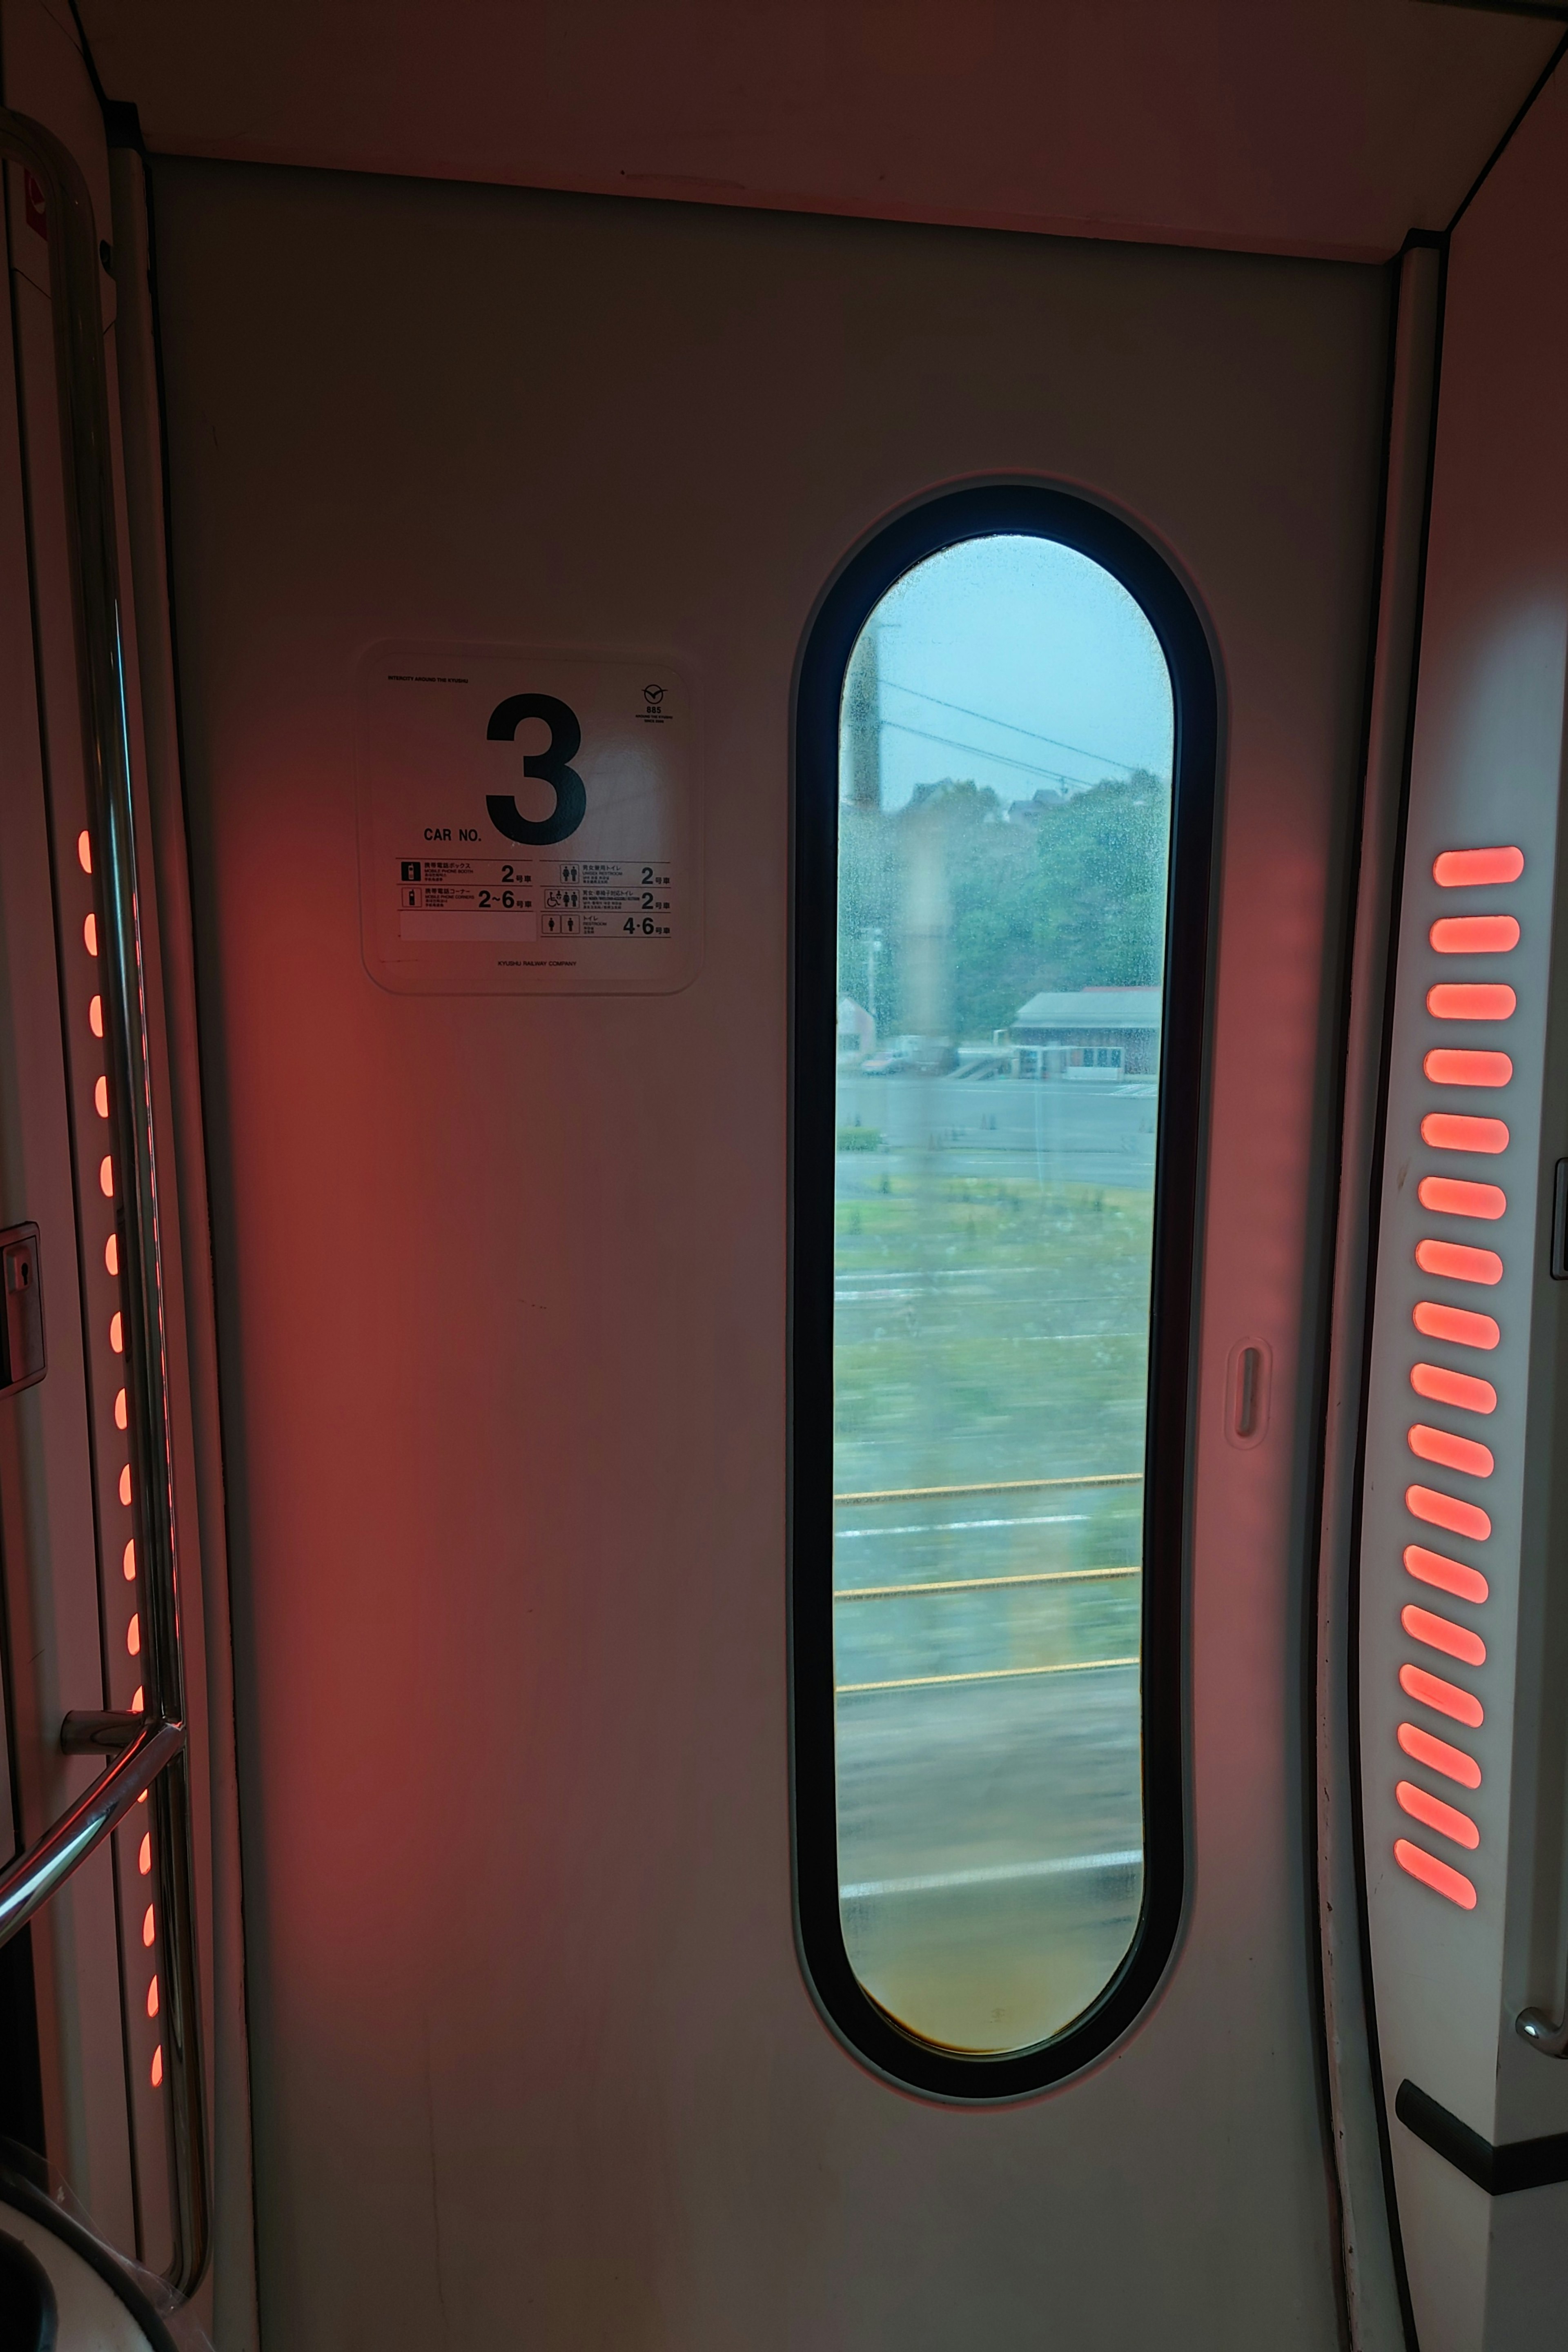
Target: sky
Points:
x,y
996,643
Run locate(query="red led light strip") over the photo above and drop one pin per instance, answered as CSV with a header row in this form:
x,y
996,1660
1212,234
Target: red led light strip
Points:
x,y
106,1185
1461,1390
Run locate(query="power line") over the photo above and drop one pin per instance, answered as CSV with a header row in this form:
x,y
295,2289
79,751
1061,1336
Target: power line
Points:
x,y
1002,759
1011,725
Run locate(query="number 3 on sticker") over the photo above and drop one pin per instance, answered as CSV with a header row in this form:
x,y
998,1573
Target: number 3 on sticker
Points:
x,y
565,736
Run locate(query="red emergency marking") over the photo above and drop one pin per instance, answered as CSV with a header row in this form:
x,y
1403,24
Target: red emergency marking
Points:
x,y
1474,934
1455,1198
1435,1874
1452,1762
1435,1322
1442,1633
1453,1453
1444,1387
1446,1820
1455,869
1459,1261
1447,1130
1471,1000
1447,1511
1448,1575
84,852
1447,1698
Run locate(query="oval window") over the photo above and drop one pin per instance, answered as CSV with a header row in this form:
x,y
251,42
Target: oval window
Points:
x,y
1007,746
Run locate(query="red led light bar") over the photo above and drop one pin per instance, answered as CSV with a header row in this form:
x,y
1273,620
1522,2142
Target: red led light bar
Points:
x,y
1459,1261
1446,1820
1446,1698
1470,1000
1448,1130
1442,1633
1474,934
1435,1874
1447,1511
1457,870
1455,1198
1444,1387
1448,1575
1454,1452
1437,1754
1453,1066
1457,1323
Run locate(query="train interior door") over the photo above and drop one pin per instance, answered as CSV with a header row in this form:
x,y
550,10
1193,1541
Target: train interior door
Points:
x,y
783,1202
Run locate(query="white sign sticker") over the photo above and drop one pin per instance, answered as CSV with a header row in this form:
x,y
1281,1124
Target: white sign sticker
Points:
x,y
527,822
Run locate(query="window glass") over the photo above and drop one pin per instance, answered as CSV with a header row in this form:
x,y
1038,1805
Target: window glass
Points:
x,y
1006,752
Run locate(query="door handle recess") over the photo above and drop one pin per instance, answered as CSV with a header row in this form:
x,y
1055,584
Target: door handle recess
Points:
x,y
154,1759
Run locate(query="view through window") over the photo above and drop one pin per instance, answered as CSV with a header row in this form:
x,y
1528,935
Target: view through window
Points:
x,y
1005,761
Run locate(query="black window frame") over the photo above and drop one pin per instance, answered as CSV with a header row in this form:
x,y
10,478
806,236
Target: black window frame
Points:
x,y
948,520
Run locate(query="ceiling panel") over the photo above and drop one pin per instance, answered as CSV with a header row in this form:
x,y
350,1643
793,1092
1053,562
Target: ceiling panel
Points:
x,y
1313,126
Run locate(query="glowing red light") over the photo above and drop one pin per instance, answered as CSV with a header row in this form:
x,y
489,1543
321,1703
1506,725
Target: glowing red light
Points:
x,y
84,852
1448,1575
1459,1261
1452,1762
119,1415
111,1254
157,2066
106,1177
117,1333
1447,1511
1470,1000
148,1927
1447,1130
1454,1065
100,1098
1446,1820
125,1484
1455,869
95,1016
1457,1323
1474,934
1461,1000
1442,1633
1457,1199
1435,1874
138,1700
1447,1698
144,1854
1453,1453
1444,1387
89,935
129,1561
153,1998
133,1635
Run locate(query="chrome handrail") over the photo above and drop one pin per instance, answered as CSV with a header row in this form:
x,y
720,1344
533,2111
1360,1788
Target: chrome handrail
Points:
x,y
157,1759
